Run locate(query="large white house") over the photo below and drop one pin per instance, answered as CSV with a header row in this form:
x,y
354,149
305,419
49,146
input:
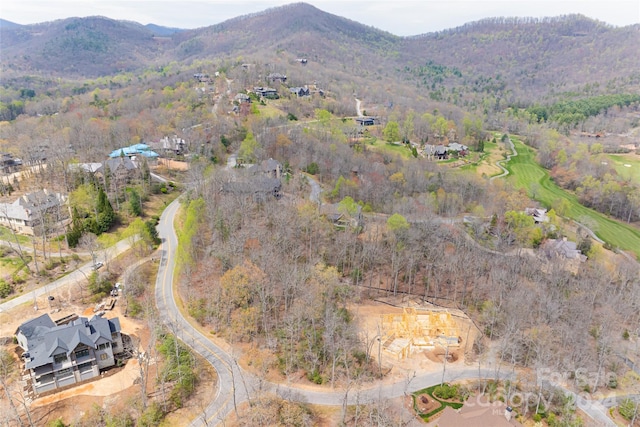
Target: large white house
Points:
x,y
35,212
61,355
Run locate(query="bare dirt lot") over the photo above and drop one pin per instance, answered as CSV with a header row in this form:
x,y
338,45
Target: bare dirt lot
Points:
x,y
368,315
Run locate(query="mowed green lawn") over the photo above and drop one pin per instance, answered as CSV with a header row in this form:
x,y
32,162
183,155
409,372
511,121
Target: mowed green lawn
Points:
x,y
627,166
383,146
524,172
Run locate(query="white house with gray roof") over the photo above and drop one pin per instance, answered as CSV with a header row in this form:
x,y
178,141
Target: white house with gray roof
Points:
x,y
57,356
30,213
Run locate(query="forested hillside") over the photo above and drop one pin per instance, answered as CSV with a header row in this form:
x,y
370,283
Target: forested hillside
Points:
x,y
411,206
511,60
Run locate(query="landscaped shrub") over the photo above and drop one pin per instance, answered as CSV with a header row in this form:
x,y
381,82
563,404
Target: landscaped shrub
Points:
x,y
431,392
446,392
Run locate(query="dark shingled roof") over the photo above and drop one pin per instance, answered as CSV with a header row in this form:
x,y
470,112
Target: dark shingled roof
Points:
x,y
44,338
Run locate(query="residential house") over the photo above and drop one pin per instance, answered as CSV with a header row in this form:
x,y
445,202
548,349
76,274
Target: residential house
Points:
x,y
478,412
8,163
90,168
35,212
276,77
57,356
340,218
441,152
460,149
539,215
365,121
268,168
429,151
562,249
300,91
266,92
314,88
117,173
243,98
260,188
174,145
202,78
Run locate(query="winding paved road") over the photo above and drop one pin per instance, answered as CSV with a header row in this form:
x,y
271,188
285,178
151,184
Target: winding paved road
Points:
x,y
227,393
74,277
236,386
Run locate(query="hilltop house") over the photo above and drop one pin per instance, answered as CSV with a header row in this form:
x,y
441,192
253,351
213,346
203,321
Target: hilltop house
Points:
x,y
300,91
56,356
202,78
174,145
115,173
266,92
276,77
31,213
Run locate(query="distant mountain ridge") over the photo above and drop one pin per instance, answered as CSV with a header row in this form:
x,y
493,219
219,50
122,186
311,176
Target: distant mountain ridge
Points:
x,y
159,30
8,24
527,52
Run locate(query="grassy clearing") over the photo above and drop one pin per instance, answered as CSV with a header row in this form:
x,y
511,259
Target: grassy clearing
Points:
x,y
155,205
383,146
271,111
631,172
10,265
525,173
6,234
484,163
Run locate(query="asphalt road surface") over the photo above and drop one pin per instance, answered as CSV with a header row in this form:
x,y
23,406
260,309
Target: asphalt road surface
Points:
x,y
236,386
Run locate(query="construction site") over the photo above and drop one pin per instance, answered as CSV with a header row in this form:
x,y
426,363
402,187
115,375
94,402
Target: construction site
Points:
x,y
409,332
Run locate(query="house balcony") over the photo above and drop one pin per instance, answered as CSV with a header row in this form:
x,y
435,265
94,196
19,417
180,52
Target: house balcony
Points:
x,y
84,359
63,365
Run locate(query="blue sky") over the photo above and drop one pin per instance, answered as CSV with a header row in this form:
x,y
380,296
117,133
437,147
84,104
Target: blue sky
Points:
x,y
400,17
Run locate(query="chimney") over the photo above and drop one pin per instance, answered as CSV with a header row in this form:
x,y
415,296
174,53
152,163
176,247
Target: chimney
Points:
x,y
508,412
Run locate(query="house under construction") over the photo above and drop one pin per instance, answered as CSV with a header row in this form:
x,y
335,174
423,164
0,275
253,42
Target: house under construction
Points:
x,y
417,330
